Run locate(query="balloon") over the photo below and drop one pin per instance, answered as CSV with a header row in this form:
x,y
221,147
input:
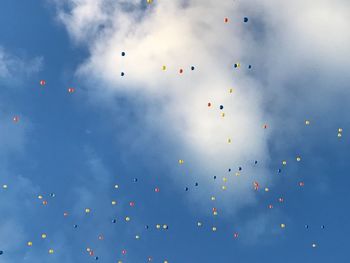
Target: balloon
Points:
x,y
221,107
245,19
235,235
209,104
164,68
250,66
30,244
71,90
42,82
15,119
192,68
226,20
181,71
122,74
114,221
51,251
196,184
157,190
123,54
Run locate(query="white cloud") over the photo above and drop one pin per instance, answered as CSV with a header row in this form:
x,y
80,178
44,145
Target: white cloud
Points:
x,y
14,68
281,41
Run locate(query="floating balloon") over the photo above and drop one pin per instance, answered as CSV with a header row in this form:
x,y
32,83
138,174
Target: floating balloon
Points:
x,y
71,90
209,104
123,54
15,119
181,71
164,68
51,251
156,190
235,235
42,82
192,68
245,19
221,107
122,74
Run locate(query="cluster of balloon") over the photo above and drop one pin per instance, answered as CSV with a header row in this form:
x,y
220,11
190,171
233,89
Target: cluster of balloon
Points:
x,y
340,132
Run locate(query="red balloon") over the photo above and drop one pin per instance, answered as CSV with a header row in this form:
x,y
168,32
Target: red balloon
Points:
x,y
71,90
42,82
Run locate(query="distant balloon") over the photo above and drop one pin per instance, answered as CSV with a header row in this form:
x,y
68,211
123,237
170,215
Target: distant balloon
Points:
x,y
245,19
15,119
42,82
181,71
226,20
1,252
114,221
221,107
209,104
157,190
71,90
122,74
192,68
123,54
250,66
235,235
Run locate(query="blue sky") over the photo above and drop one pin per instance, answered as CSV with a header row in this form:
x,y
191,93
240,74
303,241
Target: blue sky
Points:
x,y
132,131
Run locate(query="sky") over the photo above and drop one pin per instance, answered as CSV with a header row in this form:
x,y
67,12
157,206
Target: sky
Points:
x,y
127,133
